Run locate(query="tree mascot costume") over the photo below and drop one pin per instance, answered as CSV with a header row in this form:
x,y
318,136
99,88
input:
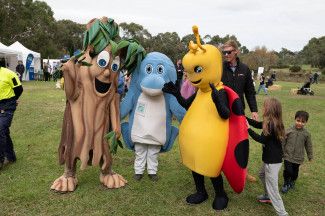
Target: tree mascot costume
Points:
x,y
92,107
150,111
208,143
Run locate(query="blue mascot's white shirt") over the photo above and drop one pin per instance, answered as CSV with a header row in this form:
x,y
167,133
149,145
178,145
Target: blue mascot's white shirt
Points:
x,y
149,124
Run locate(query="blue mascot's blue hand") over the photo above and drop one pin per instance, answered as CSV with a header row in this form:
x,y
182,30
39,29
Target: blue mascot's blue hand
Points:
x,y
126,135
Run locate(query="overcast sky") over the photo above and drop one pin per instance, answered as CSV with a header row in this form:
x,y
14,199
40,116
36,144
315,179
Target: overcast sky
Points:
x,y
275,24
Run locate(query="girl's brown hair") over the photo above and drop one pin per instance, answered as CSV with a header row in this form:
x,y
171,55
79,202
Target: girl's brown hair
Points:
x,y
272,117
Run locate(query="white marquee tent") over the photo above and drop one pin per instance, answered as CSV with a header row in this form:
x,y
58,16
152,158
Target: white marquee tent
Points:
x,y
35,66
11,56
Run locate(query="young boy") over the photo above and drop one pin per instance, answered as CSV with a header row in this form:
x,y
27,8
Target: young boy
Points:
x,y
297,138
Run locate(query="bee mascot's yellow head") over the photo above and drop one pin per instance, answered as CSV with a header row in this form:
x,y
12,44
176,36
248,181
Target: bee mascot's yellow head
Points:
x,y
203,63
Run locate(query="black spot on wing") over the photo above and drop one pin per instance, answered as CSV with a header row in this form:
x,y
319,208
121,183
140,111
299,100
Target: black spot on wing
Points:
x,y
241,153
237,107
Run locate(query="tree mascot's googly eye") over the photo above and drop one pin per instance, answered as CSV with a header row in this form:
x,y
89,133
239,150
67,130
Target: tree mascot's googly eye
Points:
x,y
116,64
198,69
149,68
160,69
103,59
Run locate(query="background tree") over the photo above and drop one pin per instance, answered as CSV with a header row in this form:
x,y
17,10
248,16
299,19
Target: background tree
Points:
x,y
32,23
170,44
219,41
260,57
314,52
243,50
136,31
286,58
216,41
69,36
29,22
231,37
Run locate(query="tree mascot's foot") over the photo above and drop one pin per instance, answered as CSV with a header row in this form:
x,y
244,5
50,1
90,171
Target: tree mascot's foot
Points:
x,y
220,202
112,180
64,184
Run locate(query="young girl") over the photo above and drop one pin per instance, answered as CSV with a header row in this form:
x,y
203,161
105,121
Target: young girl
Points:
x,y
272,135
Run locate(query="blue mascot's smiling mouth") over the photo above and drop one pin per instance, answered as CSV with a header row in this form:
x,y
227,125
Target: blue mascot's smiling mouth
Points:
x,y
196,82
101,87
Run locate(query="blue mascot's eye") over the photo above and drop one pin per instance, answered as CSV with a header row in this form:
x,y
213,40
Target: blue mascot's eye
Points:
x,y
115,64
160,69
148,68
198,69
103,59
114,67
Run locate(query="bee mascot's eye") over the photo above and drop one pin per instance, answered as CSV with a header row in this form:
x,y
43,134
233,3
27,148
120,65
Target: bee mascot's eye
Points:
x,y
160,69
198,69
149,68
103,59
116,64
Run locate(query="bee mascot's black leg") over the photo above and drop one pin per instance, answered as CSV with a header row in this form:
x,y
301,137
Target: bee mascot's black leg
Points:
x,y
201,194
221,200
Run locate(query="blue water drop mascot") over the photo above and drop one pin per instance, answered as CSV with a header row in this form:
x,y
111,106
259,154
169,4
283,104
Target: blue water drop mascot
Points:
x,y
149,129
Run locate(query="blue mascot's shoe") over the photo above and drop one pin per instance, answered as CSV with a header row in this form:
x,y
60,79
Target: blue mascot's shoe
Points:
x,y
138,177
153,177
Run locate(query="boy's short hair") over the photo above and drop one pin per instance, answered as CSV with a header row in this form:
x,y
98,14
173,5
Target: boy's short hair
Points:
x,y
231,43
302,114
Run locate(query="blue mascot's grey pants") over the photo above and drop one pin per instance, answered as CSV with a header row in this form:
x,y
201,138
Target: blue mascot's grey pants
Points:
x,y
146,153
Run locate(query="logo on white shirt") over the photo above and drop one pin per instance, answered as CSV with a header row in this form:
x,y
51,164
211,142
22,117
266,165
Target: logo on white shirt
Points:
x,y
141,108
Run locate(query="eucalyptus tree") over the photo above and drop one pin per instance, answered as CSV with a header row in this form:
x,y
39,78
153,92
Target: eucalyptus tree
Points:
x,y
314,52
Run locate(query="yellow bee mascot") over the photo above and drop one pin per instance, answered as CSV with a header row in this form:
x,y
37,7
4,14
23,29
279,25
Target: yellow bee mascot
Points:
x,y
213,134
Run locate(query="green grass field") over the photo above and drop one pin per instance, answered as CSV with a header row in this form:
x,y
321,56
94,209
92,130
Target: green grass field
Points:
x,y
36,128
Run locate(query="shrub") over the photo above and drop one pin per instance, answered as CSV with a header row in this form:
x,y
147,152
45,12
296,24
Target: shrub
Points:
x,y
295,68
280,65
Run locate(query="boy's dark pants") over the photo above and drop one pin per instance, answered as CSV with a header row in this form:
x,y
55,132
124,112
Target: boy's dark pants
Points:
x,y
6,146
290,172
